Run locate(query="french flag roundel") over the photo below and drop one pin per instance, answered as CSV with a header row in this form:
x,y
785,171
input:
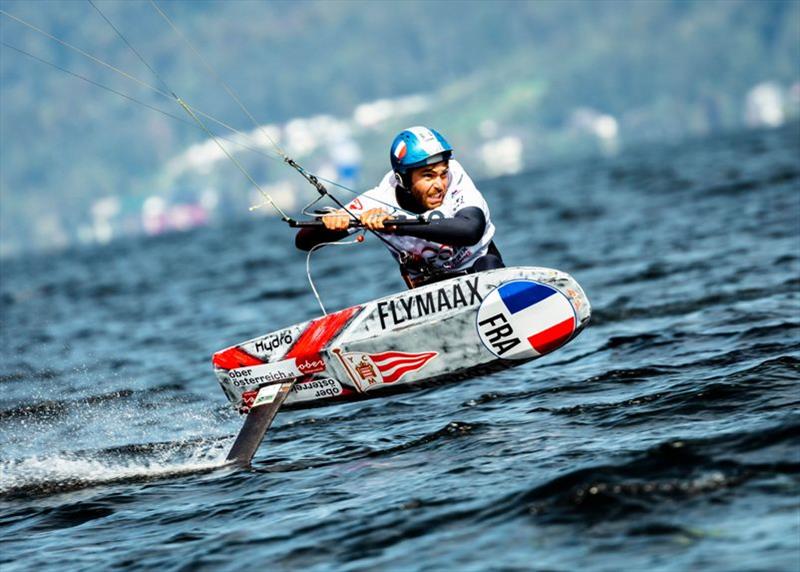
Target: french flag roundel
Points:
x,y
523,319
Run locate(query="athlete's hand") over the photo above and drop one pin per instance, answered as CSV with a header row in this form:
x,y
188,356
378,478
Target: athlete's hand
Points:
x,y
373,219
338,220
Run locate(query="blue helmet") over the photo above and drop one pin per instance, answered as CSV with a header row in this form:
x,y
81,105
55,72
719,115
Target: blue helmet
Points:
x,y
416,147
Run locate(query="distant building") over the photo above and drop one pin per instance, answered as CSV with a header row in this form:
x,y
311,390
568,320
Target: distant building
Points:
x,y
502,156
602,126
765,106
159,216
372,114
104,211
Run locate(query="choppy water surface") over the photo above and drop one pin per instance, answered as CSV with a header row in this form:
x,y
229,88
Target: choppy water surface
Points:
x,y
664,437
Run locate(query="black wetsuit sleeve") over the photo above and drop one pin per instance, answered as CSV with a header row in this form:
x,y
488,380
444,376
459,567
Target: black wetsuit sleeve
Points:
x,y
464,229
308,238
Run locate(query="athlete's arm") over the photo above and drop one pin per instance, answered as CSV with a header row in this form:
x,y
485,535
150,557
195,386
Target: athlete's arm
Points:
x,y
336,225
308,238
464,229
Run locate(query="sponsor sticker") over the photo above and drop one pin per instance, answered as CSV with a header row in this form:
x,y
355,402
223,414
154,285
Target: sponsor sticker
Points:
x,y
266,394
315,389
265,373
270,343
406,309
523,319
427,140
575,297
310,365
373,370
278,371
248,397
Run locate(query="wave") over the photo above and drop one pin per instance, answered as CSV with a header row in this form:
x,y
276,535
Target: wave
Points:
x,y
669,472
63,472
780,176
618,310
764,387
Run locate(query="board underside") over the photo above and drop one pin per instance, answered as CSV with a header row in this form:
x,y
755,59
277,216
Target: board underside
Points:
x,y
449,330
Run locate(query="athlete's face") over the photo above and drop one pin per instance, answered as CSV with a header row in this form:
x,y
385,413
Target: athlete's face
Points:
x,y
429,184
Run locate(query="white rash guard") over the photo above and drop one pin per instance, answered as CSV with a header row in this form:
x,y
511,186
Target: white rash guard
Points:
x,y
461,193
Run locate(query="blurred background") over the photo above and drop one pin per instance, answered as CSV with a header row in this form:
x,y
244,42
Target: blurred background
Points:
x,y
513,85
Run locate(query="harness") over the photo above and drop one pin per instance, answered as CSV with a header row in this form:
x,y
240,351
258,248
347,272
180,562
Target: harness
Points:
x,y
431,274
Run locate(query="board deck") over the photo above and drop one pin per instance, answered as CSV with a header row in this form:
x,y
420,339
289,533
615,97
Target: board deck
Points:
x,y
448,330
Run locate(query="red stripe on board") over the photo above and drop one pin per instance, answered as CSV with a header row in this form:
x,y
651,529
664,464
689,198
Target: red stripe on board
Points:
x,y
307,346
381,357
386,366
319,333
234,357
401,371
551,338
400,365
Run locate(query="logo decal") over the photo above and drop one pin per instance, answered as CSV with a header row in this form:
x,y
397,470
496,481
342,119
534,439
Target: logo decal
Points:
x,y
398,310
355,205
248,397
266,373
575,297
427,140
266,394
400,150
524,319
312,389
311,366
267,344
372,370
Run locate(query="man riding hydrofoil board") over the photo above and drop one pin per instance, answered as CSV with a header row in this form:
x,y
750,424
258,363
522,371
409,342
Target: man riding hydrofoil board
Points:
x,y
426,181
469,325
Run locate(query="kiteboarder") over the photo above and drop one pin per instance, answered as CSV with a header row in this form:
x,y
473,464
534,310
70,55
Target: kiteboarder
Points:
x,y
425,181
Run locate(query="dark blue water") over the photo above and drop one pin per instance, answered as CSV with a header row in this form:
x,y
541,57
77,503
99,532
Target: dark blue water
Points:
x,y
665,437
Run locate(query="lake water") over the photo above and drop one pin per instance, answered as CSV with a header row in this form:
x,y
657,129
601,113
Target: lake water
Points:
x,y
665,437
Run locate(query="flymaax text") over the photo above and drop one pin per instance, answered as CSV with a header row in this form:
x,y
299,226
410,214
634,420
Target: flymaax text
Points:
x,y
416,306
